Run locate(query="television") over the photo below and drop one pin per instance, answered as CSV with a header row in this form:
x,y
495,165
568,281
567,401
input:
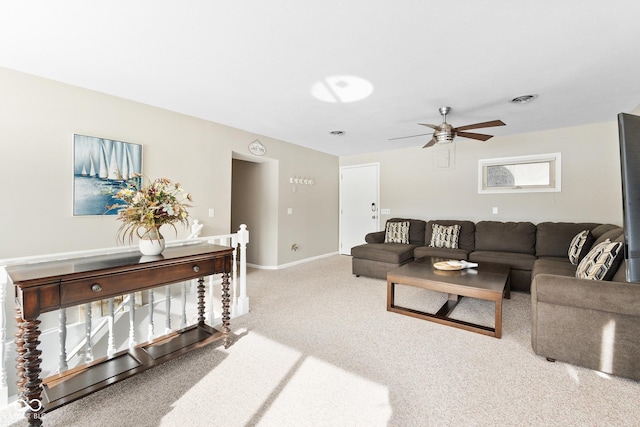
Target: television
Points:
x,y
629,136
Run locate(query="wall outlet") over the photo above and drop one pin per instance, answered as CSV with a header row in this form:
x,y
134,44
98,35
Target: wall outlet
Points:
x,y
211,213
289,211
495,210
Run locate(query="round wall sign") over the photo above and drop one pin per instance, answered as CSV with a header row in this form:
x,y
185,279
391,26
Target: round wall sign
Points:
x,y
257,148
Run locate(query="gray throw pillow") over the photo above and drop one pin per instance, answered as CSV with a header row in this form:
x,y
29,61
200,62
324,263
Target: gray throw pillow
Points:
x,y
397,232
579,246
445,236
602,261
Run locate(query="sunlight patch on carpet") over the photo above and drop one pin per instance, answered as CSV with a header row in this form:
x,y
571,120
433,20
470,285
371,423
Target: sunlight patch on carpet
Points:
x,y
322,394
573,373
279,385
607,346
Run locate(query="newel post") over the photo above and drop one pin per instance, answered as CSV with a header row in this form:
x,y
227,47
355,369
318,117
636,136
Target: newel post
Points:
x,y
243,300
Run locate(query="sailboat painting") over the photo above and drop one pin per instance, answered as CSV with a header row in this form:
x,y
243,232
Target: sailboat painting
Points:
x,y
100,168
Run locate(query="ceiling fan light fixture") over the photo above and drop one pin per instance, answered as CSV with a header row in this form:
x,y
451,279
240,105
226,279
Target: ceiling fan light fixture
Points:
x,y
445,134
523,99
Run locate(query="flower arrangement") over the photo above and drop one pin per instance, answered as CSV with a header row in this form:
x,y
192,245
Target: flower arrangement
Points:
x,y
150,206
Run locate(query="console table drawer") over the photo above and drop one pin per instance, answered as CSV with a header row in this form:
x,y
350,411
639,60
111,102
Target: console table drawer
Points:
x,y
100,287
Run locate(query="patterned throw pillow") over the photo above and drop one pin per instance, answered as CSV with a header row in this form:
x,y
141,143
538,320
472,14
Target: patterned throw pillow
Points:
x,y
397,232
601,262
579,246
445,236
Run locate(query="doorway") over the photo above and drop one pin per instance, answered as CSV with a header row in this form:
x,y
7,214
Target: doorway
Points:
x,y
254,202
359,204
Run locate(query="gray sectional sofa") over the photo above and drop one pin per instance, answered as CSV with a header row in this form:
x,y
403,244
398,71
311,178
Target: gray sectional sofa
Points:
x,y
517,244
590,323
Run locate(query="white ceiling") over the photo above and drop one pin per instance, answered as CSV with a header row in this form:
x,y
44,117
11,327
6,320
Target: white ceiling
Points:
x,y
251,64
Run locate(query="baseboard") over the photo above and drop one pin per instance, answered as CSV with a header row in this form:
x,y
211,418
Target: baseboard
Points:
x,y
262,267
290,264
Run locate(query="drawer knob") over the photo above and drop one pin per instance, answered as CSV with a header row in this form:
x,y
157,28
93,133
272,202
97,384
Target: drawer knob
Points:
x,y
96,287
196,268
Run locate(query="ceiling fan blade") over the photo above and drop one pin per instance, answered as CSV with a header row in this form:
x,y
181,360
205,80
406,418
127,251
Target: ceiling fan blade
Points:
x,y
410,136
430,126
430,143
473,135
482,125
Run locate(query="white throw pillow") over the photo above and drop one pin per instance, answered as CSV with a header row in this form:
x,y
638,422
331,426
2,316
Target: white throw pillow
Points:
x,y
445,236
602,261
397,232
579,246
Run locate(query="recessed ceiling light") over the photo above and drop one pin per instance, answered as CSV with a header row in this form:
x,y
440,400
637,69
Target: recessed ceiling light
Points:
x,y
337,132
523,99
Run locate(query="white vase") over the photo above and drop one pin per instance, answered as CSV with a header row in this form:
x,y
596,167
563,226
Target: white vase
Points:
x,y
151,243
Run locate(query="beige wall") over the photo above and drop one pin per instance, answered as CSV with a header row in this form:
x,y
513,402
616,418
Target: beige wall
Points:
x,y
413,186
38,118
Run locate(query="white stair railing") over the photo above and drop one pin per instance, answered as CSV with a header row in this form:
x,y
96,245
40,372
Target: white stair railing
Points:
x,y
84,346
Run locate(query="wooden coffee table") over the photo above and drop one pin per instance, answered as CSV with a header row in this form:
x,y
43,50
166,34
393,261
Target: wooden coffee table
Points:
x,y
488,281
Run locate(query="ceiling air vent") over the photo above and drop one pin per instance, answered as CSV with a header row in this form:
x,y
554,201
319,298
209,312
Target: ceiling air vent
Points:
x,y
523,99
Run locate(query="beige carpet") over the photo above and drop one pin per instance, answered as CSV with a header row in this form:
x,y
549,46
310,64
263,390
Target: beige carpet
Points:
x,y
320,349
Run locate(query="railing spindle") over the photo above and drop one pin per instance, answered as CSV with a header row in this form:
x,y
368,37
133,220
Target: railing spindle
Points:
x,y
88,355
111,347
167,302
62,336
234,279
132,320
183,300
151,326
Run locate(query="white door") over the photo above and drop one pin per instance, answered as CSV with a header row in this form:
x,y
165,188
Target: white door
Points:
x,y
359,204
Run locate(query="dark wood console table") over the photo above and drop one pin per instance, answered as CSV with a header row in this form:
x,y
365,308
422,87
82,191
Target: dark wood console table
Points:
x,y
50,286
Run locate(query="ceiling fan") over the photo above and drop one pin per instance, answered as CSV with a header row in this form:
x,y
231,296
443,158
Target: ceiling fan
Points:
x,y
445,133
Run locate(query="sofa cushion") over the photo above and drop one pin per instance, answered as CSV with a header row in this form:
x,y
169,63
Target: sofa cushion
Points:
x,y
514,260
393,253
553,238
557,266
397,232
602,261
621,298
457,254
466,236
599,231
497,236
580,246
444,236
416,230
615,234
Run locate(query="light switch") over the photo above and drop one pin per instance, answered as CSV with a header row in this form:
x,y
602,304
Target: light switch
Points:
x,y
211,213
289,211
385,211
495,210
